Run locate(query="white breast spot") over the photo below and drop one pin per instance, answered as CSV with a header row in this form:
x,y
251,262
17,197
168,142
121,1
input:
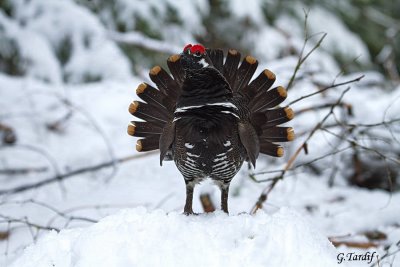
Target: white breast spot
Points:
x,y
227,143
188,145
203,63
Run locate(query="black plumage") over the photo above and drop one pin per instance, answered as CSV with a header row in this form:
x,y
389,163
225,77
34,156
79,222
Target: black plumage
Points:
x,y
209,116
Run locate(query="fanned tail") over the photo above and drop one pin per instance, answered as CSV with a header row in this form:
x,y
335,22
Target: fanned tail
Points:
x,y
262,101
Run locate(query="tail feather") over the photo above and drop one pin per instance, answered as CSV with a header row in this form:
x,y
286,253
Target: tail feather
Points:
x,y
245,73
265,100
143,129
278,116
271,149
174,65
148,144
231,66
217,58
164,82
148,113
278,134
154,97
262,83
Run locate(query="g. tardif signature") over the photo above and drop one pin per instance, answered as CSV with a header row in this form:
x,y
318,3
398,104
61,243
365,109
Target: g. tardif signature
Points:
x,y
352,256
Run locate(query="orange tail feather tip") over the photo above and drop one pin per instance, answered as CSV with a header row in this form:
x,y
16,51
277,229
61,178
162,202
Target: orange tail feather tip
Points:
x,y
139,145
147,144
131,129
271,149
174,58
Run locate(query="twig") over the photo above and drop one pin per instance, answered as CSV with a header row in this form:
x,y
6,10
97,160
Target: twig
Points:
x,y
355,143
55,210
383,123
58,124
352,244
322,106
67,175
206,202
25,221
266,191
387,254
40,151
20,171
49,158
302,59
98,130
4,235
89,117
303,164
9,136
326,88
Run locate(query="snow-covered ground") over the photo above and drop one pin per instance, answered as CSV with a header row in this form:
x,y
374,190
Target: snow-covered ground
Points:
x,y
65,124
136,237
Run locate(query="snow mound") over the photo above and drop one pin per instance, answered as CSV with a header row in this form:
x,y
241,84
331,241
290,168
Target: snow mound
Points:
x,y
138,237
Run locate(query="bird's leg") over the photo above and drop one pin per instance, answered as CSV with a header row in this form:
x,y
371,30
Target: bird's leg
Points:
x,y
224,197
189,199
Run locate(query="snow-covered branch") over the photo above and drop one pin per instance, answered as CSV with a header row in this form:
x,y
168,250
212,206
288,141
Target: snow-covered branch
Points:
x,y
141,40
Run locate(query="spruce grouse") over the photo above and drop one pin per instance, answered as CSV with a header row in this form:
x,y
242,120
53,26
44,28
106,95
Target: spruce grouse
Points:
x,y
208,117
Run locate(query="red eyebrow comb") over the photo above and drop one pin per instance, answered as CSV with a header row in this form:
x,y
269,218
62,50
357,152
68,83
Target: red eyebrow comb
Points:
x,y
198,48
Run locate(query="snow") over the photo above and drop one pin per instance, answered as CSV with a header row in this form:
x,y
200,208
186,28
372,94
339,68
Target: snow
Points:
x,y
38,60
137,203
137,237
54,22
339,39
250,11
131,12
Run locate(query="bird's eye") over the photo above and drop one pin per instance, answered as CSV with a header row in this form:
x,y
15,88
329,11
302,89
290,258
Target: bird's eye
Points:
x,y
197,54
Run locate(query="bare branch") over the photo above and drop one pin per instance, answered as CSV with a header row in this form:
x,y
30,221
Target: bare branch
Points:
x,y
353,244
52,161
264,195
71,174
326,88
206,202
20,171
302,164
7,219
302,59
382,123
357,144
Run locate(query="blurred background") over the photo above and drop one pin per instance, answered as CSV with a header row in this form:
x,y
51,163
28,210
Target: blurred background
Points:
x,y
69,70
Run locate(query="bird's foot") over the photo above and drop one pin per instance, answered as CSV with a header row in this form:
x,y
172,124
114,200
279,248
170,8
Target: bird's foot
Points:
x,y
189,212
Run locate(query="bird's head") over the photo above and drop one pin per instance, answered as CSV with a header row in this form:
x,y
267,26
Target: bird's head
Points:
x,y
194,57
